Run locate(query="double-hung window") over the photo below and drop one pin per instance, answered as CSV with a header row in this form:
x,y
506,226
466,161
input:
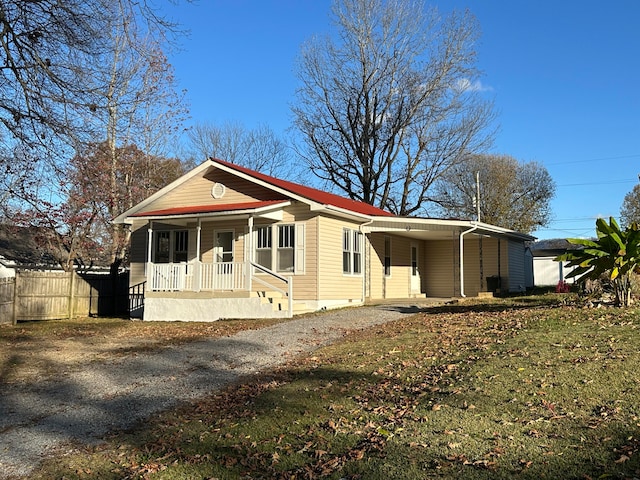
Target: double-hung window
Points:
x,y
286,247
170,246
263,247
351,251
280,247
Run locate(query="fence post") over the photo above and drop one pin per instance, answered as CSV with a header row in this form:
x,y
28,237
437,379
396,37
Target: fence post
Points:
x,y
14,319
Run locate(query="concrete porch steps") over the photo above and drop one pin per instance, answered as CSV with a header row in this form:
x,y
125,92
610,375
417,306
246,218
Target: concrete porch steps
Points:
x,y
279,302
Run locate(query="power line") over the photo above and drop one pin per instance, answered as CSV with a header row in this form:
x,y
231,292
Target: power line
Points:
x,y
574,220
593,160
609,182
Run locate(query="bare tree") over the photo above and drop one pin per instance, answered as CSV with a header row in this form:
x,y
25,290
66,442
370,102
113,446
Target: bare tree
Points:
x,y
388,109
48,51
630,210
135,102
259,149
43,43
75,72
512,194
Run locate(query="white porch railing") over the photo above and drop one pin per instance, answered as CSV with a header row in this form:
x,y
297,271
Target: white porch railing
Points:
x,y
169,276
194,276
197,276
223,276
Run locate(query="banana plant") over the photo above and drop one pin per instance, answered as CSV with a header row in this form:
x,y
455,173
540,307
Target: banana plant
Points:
x,y
615,253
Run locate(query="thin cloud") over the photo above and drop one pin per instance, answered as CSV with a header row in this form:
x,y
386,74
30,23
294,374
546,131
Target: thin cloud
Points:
x,y
466,85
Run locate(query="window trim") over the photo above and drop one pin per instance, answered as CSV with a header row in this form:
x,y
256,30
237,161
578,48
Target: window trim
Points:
x,y
269,248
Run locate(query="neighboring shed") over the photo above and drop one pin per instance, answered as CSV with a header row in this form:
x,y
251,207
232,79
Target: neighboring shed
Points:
x,y
546,271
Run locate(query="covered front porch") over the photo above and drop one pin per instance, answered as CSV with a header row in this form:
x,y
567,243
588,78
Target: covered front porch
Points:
x,y
205,260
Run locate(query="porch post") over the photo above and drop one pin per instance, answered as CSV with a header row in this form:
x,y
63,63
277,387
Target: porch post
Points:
x,y
149,250
198,263
249,252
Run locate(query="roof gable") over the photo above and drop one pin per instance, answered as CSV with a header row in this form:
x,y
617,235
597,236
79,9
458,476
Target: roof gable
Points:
x,y
313,194
280,190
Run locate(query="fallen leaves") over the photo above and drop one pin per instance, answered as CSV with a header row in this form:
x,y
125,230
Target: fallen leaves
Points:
x,y
497,389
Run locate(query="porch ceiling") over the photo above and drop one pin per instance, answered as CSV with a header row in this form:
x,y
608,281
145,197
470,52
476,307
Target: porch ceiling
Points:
x,y
438,233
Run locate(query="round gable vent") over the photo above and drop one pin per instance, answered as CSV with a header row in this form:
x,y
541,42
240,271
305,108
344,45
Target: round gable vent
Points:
x,y
217,191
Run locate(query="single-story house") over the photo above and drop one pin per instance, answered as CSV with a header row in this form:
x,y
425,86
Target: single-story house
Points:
x,y
21,249
224,241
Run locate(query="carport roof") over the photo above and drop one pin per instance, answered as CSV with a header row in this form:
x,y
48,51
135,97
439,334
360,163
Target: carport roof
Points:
x,y
438,229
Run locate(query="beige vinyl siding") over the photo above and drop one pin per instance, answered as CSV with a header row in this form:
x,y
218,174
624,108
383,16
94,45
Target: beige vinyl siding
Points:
x,y
471,266
138,252
441,270
197,191
475,272
398,284
492,266
207,238
333,284
305,285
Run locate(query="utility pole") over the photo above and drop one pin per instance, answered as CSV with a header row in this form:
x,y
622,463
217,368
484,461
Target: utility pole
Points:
x,y
478,195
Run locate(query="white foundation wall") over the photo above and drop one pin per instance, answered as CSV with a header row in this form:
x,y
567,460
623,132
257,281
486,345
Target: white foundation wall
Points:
x,y
207,309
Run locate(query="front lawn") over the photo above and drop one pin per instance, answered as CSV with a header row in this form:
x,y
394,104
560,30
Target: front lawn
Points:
x,y
506,389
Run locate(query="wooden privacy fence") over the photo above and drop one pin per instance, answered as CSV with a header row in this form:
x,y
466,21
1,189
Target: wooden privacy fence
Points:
x,y
58,295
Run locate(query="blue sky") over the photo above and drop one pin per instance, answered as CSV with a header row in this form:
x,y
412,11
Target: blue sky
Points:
x,y
564,76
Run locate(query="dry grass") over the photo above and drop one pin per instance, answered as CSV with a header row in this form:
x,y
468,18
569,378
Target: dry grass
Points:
x,y
32,351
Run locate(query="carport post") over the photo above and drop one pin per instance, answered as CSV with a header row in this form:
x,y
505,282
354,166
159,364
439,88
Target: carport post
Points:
x,y
462,234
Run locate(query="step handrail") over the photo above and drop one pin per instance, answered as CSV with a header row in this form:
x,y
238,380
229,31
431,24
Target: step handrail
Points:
x,y
287,280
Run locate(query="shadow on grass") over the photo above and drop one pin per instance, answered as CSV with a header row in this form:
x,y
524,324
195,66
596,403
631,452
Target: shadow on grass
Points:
x,y
498,305
335,423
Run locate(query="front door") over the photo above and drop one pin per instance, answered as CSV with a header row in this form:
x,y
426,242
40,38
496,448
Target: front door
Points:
x,y
223,257
415,270
224,246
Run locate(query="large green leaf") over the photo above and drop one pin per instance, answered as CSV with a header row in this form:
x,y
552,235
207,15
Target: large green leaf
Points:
x,y
582,241
615,253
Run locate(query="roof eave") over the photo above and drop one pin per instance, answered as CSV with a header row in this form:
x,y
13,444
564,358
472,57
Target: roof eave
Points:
x,y
223,213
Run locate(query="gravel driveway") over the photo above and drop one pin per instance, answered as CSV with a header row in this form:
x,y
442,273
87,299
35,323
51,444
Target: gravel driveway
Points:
x,y
40,419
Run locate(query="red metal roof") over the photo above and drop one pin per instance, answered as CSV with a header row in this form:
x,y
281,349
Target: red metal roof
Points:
x,y
195,209
315,195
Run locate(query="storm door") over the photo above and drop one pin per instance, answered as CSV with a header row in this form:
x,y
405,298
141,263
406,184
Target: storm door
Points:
x,y
223,257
